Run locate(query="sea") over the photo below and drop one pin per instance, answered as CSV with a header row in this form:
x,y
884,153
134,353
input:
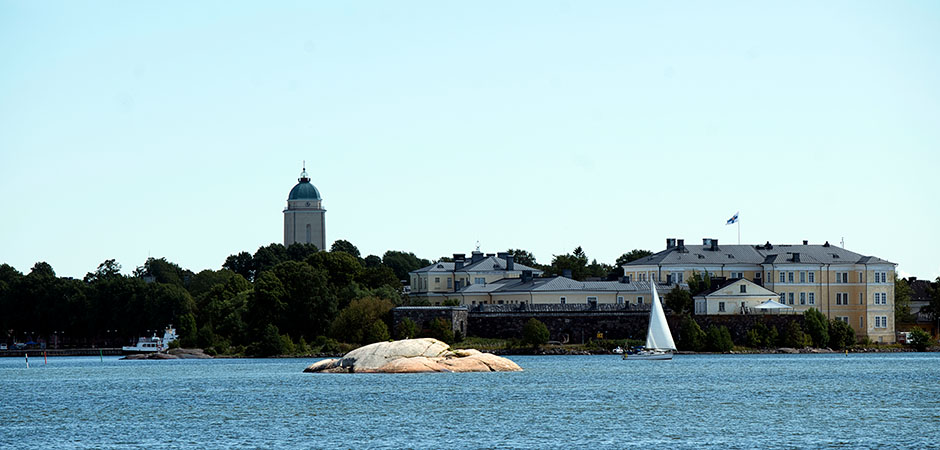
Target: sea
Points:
x,y
888,400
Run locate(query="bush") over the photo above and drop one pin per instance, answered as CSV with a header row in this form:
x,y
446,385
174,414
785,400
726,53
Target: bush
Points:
x,y
534,333
406,329
442,330
841,335
323,344
795,337
718,339
920,339
375,332
691,336
759,336
817,327
270,344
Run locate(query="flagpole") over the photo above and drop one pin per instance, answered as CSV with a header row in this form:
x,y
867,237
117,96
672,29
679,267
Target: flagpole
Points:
x,y
739,230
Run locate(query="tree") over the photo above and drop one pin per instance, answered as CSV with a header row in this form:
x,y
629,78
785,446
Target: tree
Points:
x,y
108,269
340,267
699,283
406,329
794,336
932,308
300,251
633,255
534,333
310,304
718,339
841,334
376,277
691,336
441,329
163,271
520,256
357,323
270,344
187,330
266,303
372,261
266,257
902,302
341,245
576,262
920,339
679,301
241,263
817,327
401,263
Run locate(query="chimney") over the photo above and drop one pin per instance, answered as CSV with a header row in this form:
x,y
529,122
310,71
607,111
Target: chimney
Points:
x,y
501,255
624,279
490,255
796,257
510,263
566,273
714,245
476,257
670,243
458,264
460,256
526,276
706,243
805,242
680,245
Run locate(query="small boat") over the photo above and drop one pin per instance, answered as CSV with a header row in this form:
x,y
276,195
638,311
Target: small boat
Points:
x,y
659,343
152,344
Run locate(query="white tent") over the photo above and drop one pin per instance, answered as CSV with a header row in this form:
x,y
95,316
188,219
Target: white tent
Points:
x,y
771,305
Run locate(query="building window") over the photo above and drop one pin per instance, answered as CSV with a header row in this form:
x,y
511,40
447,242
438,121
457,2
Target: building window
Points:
x,y
450,283
845,277
860,323
812,277
437,280
812,298
743,288
563,300
721,306
619,300
592,301
802,298
783,298
802,277
838,298
479,280
639,300
789,277
859,277
782,275
844,319
770,276
881,321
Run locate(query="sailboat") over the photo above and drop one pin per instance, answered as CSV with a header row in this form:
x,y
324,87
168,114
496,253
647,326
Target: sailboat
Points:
x,y
659,343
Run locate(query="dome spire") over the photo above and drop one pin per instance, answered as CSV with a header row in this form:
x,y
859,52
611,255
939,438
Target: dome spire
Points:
x,y
303,175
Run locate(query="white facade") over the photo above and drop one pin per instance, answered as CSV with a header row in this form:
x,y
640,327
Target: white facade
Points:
x,y
304,217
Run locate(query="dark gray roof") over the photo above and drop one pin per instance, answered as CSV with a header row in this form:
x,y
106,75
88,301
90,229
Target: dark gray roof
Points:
x,y
559,283
760,254
487,264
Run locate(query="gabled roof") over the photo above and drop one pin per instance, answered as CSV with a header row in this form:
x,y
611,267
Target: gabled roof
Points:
x,y
754,289
760,254
487,264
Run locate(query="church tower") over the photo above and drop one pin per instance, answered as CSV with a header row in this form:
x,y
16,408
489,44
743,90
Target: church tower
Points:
x,y
304,217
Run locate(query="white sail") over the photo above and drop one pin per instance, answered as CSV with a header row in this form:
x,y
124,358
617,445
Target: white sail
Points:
x,y
658,336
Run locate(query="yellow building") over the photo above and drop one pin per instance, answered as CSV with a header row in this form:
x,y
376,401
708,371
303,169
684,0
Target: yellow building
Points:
x,y
843,285
442,278
557,290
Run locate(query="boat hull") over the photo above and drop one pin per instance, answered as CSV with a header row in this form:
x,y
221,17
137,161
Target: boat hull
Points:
x,y
651,356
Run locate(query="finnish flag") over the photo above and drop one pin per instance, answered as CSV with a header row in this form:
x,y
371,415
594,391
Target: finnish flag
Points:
x,y
732,220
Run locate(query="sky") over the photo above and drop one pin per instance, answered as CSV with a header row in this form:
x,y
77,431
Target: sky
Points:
x,y
131,130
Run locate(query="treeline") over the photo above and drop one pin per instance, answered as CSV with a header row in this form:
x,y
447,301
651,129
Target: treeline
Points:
x,y
278,300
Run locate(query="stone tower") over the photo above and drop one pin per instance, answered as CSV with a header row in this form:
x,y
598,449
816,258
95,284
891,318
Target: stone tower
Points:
x,y
304,217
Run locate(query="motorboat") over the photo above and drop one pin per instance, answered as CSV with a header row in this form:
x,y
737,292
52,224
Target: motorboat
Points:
x,y
153,344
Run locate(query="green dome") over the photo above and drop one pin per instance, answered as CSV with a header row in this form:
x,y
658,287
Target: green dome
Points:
x,y
304,191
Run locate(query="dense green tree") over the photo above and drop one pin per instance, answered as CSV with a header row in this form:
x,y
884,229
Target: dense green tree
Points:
x,y
300,251
401,263
441,329
795,337
340,267
270,343
841,335
902,302
691,336
920,339
679,301
534,333
309,301
187,330
163,271
718,339
266,304
266,257
576,262
630,256
406,329
341,245
241,263
817,327
699,283
108,269
376,277
932,308
760,336
520,256
372,261
356,322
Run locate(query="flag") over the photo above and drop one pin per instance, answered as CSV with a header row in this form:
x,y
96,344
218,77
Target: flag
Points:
x,y
732,220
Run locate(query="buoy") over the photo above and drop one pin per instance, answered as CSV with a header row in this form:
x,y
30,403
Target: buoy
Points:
x,y
101,354
27,360
45,361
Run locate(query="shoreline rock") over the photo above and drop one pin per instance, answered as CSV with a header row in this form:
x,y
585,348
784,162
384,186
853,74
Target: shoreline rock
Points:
x,y
174,353
413,356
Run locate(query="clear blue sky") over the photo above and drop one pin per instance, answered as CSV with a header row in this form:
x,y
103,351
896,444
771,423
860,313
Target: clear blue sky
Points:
x,y
176,129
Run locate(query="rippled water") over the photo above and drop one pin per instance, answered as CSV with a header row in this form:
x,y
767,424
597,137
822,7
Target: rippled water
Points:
x,y
710,401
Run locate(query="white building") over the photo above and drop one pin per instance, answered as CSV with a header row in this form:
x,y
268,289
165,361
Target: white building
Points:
x,y
304,217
